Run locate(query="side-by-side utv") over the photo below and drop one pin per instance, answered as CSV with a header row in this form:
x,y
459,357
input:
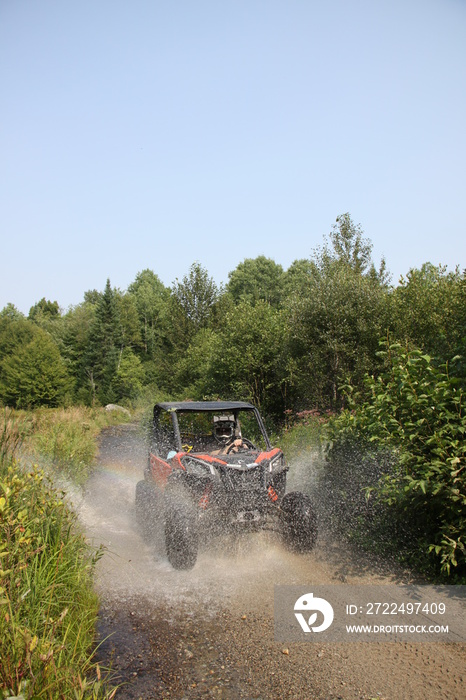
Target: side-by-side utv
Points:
x,y
212,469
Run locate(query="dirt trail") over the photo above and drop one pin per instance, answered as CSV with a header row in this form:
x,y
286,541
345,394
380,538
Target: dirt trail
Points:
x,y
208,632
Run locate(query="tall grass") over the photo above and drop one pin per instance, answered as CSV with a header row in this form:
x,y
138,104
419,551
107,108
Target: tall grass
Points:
x,y
12,433
48,609
64,440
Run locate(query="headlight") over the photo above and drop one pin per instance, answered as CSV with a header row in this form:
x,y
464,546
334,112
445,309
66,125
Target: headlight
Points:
x,y
277,463
198,467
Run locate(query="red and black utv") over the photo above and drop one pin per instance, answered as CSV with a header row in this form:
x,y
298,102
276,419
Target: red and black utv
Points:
x,y
212,469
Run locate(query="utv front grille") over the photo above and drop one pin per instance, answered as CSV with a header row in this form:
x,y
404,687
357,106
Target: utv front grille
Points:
x,y
243,479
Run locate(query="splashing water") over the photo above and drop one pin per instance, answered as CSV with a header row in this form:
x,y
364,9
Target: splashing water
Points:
x,y
227,566
230,571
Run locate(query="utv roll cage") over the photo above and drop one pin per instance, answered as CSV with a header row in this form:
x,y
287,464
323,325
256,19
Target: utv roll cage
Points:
x,y
176,407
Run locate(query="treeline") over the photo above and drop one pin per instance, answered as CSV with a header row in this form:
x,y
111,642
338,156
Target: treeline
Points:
x,y
285,339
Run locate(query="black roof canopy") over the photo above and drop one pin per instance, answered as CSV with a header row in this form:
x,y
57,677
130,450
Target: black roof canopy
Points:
x,y
180,406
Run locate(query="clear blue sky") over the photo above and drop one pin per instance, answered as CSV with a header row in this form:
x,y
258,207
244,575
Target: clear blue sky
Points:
x,y
156,133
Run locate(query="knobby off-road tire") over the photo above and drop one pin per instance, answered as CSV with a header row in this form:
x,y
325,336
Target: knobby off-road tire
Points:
x,y
181,530
148,513
299,522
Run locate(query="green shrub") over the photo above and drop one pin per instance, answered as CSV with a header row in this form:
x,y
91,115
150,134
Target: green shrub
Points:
x,y
416,411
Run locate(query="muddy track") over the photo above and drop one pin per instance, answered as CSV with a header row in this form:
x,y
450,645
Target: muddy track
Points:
x,y
208,633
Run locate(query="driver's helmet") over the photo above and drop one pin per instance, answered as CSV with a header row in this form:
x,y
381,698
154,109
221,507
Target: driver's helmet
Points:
x,y
224,428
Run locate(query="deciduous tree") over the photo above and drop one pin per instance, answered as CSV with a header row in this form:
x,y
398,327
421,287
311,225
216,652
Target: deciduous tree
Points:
x,y
35,375
428,309
256,279
151,299
337,320
247,359
195,295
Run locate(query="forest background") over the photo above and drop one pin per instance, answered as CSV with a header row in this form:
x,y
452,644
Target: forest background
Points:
x,y
287,340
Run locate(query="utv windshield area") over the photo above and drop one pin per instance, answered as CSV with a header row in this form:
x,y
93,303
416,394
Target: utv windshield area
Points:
x,y
207,427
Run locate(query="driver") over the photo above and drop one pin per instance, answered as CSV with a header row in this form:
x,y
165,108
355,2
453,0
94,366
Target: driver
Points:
x,y
227,434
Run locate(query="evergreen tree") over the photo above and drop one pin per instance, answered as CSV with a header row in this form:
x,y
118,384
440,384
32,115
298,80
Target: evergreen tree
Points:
x,y
11,312
44,308
104,349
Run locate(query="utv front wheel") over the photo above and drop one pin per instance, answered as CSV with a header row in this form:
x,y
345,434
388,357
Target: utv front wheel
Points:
x,y
299,522
181,534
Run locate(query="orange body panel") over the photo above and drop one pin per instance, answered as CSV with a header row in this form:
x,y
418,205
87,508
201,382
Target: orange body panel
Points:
x,y
161,470
267,455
